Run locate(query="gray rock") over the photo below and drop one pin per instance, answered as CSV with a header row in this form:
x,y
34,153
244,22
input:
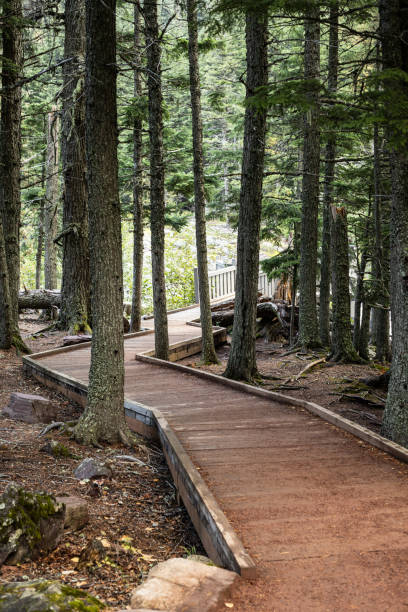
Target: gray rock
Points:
x,y
30,408
76,512
180,584
31,524
92,468
45,596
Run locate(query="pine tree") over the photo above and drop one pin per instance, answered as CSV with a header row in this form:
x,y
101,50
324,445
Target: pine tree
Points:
x,y
330,154
136,313
308,326
208,348
75,298
10,159
393,26
242,358
157,203
104,417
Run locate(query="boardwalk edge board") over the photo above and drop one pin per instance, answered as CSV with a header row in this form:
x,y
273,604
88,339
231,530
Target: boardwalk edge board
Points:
x,y
217,535
356,430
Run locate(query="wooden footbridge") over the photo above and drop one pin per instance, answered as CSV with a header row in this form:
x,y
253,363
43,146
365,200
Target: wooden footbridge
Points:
x,y
297,499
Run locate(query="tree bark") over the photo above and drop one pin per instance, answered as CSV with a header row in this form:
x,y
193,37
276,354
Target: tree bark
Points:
x,y
104,417
40,245
6,320
10,153
51,201
393,26
364,335
136,312
208,348
242,358
295,283
342,344
75,302
157,204
359,299
330,154
380,264
308,325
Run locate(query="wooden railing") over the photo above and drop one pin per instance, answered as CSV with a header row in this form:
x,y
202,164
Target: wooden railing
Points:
x,y
222,283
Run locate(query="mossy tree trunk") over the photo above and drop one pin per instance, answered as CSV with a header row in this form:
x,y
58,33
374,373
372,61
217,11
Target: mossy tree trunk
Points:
x,y
342,344
330,154
242,358
308,325
393,28
75,297
157,203
136,312
104,417
10,153
208,348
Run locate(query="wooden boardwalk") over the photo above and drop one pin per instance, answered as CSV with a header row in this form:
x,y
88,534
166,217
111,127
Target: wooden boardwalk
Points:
x,y
323,514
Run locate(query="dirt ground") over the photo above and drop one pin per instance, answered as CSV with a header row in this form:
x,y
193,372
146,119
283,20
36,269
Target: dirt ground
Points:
x,y
136,513
334,386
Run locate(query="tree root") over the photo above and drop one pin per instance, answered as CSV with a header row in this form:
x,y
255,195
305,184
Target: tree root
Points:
x,y
89,432
19,344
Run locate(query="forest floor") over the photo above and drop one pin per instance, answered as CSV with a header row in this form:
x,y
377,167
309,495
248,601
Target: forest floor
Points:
x,y
136,513
335,386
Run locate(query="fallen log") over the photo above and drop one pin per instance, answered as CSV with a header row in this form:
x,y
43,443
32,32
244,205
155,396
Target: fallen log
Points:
x,y
39,299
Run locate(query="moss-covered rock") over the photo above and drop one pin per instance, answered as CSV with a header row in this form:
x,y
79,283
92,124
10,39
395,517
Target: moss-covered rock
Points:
x,y
57,450
45,596
30,524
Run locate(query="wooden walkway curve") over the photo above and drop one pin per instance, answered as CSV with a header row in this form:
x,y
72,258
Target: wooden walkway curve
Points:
x,y
323,514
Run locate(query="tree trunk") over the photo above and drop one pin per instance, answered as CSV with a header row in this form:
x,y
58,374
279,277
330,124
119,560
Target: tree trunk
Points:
x,y
157,204
75,301
364,336
208,348
393,26
330,154
295,283
242,359
104,417
136,313
343,349
51,202
6,320
308,326
381,293
359,300
10,152
40,245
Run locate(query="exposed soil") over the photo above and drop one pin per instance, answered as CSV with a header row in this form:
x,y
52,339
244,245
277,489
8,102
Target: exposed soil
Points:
x,y
137,513
328,384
